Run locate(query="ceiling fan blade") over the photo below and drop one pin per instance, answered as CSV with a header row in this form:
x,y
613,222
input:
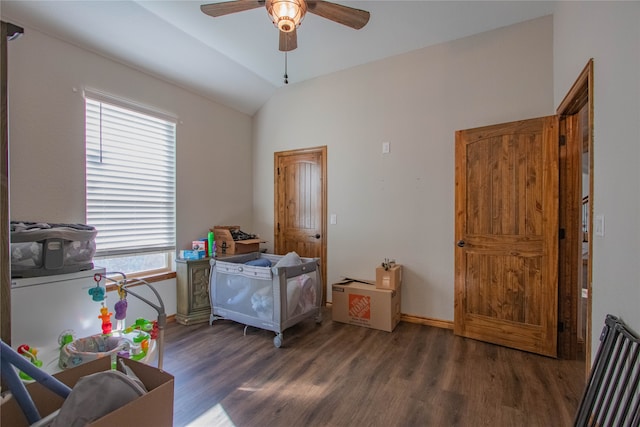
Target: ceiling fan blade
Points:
x,y
288,41
345,15
228,7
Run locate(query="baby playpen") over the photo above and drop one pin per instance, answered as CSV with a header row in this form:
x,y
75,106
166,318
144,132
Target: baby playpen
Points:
x,y
271,292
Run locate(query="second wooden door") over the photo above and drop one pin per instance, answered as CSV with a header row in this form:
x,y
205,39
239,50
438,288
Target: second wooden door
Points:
x,y
506,234
300,200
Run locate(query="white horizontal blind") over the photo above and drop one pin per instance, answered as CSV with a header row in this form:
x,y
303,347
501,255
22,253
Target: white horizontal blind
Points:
x,y
130,179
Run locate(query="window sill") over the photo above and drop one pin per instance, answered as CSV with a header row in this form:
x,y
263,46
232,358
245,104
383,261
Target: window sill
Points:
x,y
150,278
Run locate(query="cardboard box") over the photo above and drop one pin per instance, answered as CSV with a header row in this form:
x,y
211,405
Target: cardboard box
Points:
x,y
192,254
389,279
225,245
155,408
199,245
364,305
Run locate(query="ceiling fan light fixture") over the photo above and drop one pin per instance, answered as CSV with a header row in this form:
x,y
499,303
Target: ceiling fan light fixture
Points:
x,y
286,14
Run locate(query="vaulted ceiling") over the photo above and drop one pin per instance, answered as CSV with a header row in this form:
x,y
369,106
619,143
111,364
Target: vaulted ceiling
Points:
x,y
234,59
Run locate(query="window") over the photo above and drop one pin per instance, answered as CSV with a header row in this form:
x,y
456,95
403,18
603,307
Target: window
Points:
x,y
130,181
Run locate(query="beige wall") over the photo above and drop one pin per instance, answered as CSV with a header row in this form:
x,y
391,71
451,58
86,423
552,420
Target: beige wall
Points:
x,y
46,78
46,125
400,205
609,33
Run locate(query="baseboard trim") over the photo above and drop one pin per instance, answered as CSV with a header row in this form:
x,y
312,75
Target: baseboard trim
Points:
x,y
427,321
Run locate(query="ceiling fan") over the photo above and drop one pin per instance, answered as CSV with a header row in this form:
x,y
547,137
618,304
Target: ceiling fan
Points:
x,y
287,15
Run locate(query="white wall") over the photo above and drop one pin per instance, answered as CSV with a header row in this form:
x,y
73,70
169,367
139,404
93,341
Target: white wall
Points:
x,y
401,205
46,126
609,33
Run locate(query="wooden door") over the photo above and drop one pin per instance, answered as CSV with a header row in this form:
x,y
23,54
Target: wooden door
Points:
x,y
300,200
506,233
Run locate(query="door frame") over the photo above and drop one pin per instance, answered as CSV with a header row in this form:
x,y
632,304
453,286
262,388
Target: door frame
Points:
x,y
5,275
580,94
8,31
323,209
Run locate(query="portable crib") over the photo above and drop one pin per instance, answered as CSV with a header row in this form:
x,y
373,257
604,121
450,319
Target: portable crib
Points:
x,y
271,298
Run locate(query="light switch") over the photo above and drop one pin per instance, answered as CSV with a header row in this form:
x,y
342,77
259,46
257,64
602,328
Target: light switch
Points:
x,y
598,225
386,147
333,219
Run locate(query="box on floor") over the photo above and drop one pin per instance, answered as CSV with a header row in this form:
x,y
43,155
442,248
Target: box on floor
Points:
x,y
389,278
154,408
363,304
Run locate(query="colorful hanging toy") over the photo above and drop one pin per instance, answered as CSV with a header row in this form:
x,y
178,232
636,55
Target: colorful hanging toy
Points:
x,y
105,316
97,293
121,308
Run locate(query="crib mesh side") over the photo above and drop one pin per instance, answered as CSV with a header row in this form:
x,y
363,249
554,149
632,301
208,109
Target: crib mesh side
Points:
x,y
612,395
244,289
273,298
300,293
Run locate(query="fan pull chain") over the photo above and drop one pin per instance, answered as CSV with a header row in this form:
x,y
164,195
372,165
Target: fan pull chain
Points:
x,y
286,77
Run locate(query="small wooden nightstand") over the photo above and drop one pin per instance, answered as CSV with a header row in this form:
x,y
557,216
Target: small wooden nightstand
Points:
x,y
192,277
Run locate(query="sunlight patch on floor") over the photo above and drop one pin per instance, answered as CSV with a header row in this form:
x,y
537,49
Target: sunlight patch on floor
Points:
x,y
292,390
216,416
249,389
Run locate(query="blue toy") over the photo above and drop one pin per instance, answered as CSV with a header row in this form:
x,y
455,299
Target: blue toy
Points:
x,y
97,293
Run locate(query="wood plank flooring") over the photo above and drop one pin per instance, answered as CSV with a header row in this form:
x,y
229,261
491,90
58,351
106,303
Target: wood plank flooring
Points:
x,y
333,374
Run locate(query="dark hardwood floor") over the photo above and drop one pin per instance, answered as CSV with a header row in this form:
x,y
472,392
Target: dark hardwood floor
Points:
x,y
335,374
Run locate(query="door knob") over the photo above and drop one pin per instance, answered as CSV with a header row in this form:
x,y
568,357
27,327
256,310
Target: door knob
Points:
x,y
317,235
460,243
